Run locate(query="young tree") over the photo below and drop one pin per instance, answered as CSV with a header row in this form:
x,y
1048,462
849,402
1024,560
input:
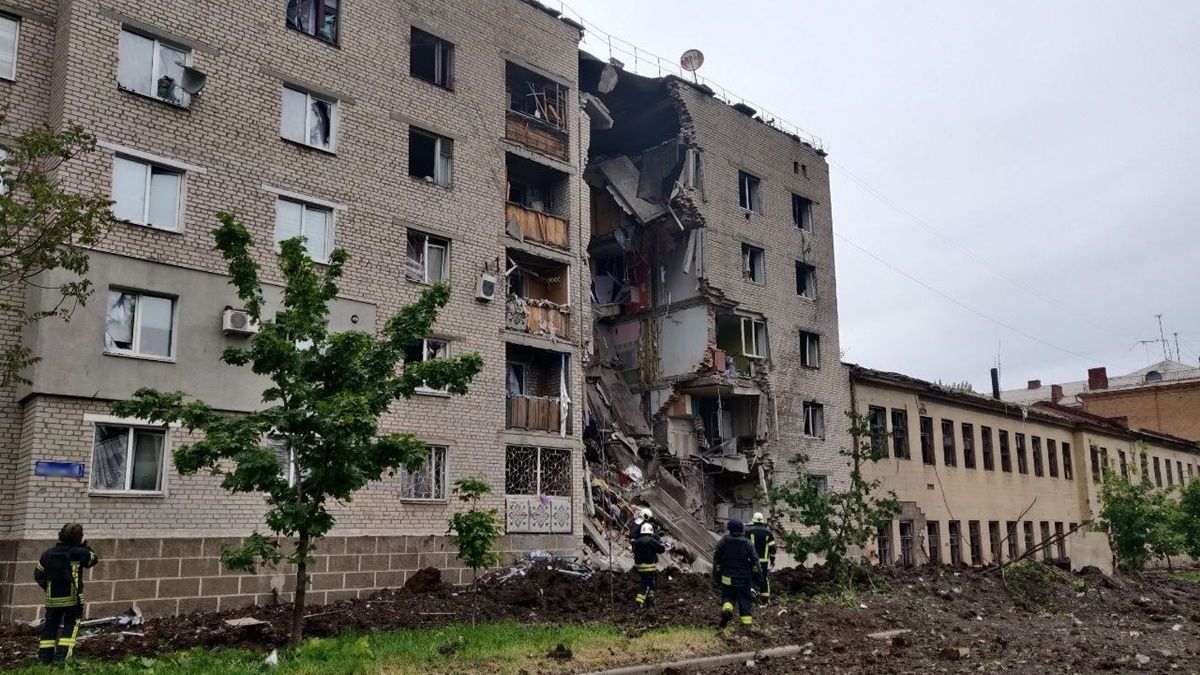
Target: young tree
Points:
x,y
832,523
43,227
323,405
475,531
1189,518
1141,522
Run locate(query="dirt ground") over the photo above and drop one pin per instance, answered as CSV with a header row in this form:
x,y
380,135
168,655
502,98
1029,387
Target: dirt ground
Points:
x,y
958,621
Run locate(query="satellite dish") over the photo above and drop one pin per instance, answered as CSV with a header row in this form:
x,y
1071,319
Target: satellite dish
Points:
x,y
193,80
691,60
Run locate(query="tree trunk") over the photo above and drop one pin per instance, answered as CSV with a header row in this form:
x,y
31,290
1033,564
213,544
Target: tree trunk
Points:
x,y
301,588
475,593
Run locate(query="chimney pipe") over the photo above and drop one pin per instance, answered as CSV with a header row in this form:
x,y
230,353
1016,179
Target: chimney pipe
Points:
x,y
1034,384
996,383
1098,378
1056,393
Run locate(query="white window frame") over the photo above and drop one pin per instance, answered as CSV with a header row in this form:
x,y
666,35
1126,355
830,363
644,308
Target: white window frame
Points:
x,y
749,192
150,167
308,101
135,350
442,243
439,492
11,75
805,223
133,427
278,446
814,419
156,71
810,276
443,156
306,206
425,351
752,349
748,268
810,349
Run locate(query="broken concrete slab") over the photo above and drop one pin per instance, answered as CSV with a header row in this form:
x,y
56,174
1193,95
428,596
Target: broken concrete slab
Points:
x,y
954,653
885,635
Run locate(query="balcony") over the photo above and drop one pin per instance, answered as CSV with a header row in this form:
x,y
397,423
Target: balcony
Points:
x,y
538,202
537,385
538,296
536,115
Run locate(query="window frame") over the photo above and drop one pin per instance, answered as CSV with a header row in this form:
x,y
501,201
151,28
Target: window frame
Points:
x,y
749,192
1067,465
150,167
877,418
442,152
802,213
11,76
156,72
949,447
319,11
425,351
928,454
813,415
443,58
439,491
134,428
1052,457
900,444
309,97
749,252
807,273
306,206
968,445
1022,457
1035,449
987,448
135,344
810,349
761,351
427,242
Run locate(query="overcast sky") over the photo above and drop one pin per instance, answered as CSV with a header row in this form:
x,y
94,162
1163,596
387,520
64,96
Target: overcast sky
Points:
x,y
1059,142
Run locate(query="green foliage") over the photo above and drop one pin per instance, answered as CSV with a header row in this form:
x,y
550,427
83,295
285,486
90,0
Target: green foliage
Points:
x,y
1028,580
1189,517
43,228
475,530
1142,523
835,523
326,394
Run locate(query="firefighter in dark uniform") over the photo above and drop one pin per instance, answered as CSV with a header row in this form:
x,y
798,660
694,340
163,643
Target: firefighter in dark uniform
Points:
x,y
735,570
645,560
764,547
60,573
635,526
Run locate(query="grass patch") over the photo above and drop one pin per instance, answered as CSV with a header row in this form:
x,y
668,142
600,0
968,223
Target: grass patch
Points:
x,y
503,647
1192,576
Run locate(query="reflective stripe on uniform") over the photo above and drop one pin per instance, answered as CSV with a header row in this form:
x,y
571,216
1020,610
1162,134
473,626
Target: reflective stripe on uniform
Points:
x,y
640,599
746,620
647,567
727,608
46,644
726,581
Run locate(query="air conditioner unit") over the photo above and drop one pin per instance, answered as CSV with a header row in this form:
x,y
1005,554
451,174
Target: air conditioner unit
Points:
x,y
238,322
485,290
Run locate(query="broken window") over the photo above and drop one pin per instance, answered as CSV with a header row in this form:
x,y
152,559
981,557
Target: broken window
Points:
x,y
149,66
821,483
802,212
933,540
429,481
537,471
3,168
806,280
754,338
427,259
927,455
1066,457
948,450
1179,471
1022,460
430,157
1036,449
906,543
427,349
883,540
299,219
1005,456
10,30
1096,472
955,535
968,441
975,541
994,539
535,96
1052,456
307,119
1010,528
814,419
127,458
1030,542
514,379
693,170
318,18
877,418
752,264
1060,541
431,58
1170,478
136,323
900,433
1145,469
810,350
748,192
283,455
1045,528
985,448
146,194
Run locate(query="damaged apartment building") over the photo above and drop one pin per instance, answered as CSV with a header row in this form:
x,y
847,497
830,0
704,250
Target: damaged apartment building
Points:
x,y
714,297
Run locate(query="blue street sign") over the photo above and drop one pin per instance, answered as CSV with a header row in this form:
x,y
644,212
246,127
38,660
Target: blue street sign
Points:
x,y
58,469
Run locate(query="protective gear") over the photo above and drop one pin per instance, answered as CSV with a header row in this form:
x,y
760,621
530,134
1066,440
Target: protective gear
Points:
x,y
735,569
60,574
646,515
758,518
764,549
735,525
635,527
645,561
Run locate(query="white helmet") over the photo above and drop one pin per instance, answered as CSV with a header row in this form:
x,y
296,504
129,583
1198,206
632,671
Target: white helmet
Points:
x,y
758,518
645,514
648,528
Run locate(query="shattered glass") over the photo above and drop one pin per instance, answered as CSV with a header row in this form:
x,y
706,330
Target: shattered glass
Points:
x,y
118,321
109,455
320,123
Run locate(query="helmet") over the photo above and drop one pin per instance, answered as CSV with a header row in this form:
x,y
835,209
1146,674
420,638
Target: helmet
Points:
x,y
647,528
735,525
758,517
645,514
71,533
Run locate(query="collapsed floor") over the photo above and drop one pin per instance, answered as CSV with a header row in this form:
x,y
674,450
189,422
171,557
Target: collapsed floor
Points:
x,y
950,621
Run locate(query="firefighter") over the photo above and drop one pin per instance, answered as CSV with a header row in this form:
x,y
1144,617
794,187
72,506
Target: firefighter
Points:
x,y
60,573
735,571
645,560
635,527
764,548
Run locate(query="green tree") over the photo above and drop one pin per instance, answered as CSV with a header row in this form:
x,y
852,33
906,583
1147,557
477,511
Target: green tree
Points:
x,y
43,227
475,531
326,394
833,523
1141,522
1189,517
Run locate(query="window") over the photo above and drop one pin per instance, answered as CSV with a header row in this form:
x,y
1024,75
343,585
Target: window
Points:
x,y
1191,471
10,31
428,258
139,324
427,350
1153,376
1170,478
318,18
283,455
948,451
806,280
1179,471
1106,466
1096,472
927,440
955,535
877,418
1010,529
1045,528
1068,472
985,448
814,419
146,194
802,212
431,59
537,471
1052,456
693,170
1124,464
883,540
3,169
900,433
151,67
968,439
1060,541
975,541
1145,469
933,540
308,119
906,543
429,481
748,189
1022,460
810,350
127,458
754,338
819,482
514,379
752,264
430,157
314,223
1005,456
1036,449
1029,540
994,539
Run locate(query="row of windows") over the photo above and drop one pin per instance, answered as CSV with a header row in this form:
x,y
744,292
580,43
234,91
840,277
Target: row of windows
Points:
x,y
1042,462
1050,544
1099,457
754,270
750,199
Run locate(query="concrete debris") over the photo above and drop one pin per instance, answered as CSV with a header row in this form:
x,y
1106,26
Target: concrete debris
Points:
x,y
272,658
1141,659
954,653
886,635
245,622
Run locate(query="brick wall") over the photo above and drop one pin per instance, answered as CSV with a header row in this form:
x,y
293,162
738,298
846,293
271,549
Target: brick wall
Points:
x,y
1168,408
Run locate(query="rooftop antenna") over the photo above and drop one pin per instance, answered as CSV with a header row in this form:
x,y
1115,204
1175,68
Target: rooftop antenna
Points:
x,y
691,61
1178,355
1163,338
